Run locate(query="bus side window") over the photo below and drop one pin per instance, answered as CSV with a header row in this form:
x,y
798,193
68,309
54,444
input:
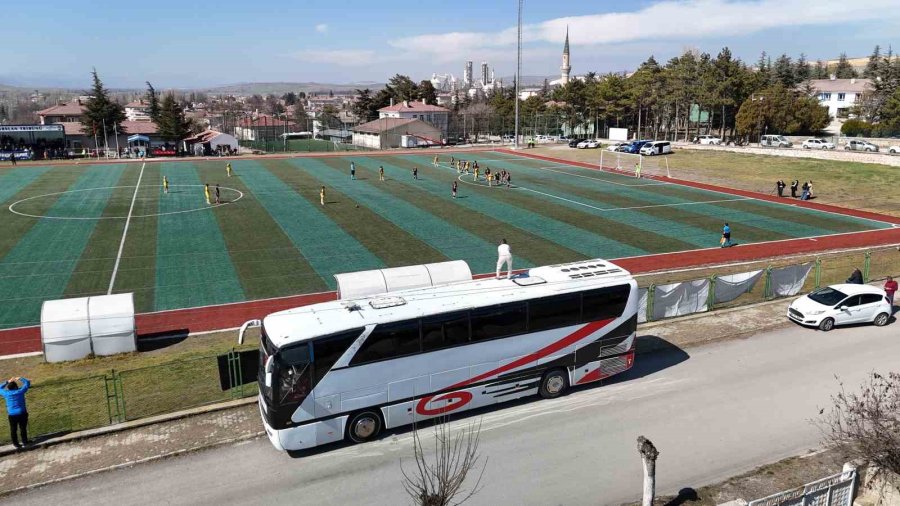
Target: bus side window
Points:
x,y
445,331
389,340
604,303
554,312
327,351
499,321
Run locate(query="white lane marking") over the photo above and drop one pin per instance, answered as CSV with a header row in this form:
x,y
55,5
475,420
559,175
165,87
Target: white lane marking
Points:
x,y
112,279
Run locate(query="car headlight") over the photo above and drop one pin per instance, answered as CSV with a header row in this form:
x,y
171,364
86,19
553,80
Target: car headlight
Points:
x,y
815,313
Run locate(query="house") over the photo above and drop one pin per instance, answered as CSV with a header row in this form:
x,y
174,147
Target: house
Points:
x,y
137,110
434,115
210,142
839,95
385,133
69,115
262,126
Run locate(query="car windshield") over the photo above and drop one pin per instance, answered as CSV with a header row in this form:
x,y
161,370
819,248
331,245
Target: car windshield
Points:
x,y
827,296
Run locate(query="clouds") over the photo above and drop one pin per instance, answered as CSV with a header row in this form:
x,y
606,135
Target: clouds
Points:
x,y
322,28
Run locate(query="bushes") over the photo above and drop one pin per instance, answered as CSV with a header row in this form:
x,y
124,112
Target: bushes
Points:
x,y
857,128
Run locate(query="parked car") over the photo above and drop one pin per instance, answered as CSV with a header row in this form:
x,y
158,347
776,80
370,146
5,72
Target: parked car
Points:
x,y
656,148
574,142
616,145
894,150
635,147
859,145
588,144
817,144
840,305
775,141
707,139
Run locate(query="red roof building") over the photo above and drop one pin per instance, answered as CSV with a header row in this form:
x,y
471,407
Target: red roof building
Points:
x,y
434,115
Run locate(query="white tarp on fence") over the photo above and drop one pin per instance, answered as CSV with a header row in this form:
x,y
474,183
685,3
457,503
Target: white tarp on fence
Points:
x,y
680,298
642,305
733,286
787,281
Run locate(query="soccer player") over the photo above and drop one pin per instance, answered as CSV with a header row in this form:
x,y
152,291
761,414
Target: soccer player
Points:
x,y
218,195
453,160
453,188
504,256
381,172
352,170
228,168
206,192
476,175
415,173
435,161
487,175
165,184
637,170
322,196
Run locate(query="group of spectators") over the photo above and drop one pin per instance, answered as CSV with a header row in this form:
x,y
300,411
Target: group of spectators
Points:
x,y
806,190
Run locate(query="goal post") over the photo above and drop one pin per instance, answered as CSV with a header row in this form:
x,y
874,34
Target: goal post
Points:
x,y
626,162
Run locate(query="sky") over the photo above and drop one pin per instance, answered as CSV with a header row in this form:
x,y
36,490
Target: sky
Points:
x,y
176,44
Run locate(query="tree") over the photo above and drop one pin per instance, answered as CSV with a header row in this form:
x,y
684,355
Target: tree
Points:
x,y
820,71
890,115
802,72
300,116
427,92
328,118
783,71
873,65
362,106
865,425
173,126
289,98
843,69
402,88
152,103
440,480
101,112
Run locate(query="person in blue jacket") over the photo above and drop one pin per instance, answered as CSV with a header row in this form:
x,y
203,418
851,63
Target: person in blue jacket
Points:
x,y
14,395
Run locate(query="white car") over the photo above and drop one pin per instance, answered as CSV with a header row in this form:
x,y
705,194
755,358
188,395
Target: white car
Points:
x,y
817,144
857,145
588,144
709,139
894,150
615,146
840,305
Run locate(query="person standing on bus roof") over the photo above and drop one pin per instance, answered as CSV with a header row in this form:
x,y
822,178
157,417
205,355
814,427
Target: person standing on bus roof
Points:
x,y
504,256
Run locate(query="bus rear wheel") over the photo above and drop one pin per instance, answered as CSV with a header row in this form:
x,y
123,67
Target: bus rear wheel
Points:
x,y
364,426
554,383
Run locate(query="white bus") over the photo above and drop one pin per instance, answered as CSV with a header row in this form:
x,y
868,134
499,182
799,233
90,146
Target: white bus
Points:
x,y
355,366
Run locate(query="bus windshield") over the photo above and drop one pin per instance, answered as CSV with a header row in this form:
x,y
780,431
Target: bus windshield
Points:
x,y
292,370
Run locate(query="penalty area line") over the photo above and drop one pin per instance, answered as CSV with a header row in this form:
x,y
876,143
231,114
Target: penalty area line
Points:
x,y
112,279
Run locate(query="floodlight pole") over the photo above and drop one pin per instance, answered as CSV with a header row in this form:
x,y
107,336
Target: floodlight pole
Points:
x,y
518,74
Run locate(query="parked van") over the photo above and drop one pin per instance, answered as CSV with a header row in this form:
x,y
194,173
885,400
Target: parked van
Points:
x,y
656,148
775,141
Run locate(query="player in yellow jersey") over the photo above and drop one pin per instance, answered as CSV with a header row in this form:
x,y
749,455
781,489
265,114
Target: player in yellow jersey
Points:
x,y
381,172
476,175
206,192
435,161
165,184
228,168
322,196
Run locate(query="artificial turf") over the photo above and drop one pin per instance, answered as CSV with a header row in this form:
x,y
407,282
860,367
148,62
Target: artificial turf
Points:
x,y
273,238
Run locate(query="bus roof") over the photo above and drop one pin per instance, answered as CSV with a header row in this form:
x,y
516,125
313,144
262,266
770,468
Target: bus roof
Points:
x,y
308,322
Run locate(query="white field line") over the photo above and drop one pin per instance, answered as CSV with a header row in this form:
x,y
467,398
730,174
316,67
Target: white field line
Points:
x,y
112,279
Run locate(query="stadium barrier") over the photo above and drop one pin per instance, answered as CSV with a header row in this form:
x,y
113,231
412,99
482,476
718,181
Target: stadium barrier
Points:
x,y
59,406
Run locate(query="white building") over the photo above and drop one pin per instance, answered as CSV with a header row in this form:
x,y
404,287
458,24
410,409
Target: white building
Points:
x,y
388,132
839,95
434,115
137,110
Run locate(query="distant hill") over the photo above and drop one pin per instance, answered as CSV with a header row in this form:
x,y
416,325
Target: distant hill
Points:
x,y
282,88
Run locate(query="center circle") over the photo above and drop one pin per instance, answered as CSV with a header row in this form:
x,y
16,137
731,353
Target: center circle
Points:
x,y
225,190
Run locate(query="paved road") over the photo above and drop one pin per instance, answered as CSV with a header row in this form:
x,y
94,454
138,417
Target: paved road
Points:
x,y
724,409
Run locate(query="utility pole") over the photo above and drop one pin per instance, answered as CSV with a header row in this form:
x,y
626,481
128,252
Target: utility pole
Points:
x,y
518,73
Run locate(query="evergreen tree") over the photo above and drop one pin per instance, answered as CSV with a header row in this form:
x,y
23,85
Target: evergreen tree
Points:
x,y
101,111
819,71
426,91
802,72
362,106
290,98
873,65
173,126
300,116
784,71
152,102
843,69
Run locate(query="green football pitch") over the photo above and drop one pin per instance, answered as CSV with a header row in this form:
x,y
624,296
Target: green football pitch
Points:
x,y
63,228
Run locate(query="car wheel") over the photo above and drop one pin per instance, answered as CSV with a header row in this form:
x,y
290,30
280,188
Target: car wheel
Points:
x,y
554,383
805,147
846,148
881,320
826,324
364,426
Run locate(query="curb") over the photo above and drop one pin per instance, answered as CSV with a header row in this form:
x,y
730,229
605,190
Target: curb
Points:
x,y
245,437
134,424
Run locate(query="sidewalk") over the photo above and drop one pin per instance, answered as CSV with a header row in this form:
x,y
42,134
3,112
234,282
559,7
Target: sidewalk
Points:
x,y
131,443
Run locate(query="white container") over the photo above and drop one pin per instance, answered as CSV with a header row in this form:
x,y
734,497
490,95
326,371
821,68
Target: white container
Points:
x,y
112,327
65,330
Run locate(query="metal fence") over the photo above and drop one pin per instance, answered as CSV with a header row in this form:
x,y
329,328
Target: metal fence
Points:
x,y
835,490
61,406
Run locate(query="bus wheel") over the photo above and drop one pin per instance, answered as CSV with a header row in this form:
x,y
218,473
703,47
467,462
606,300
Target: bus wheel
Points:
x,y
554,383
364,426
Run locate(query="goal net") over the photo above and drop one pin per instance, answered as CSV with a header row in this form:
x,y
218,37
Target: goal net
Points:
x,y
657,166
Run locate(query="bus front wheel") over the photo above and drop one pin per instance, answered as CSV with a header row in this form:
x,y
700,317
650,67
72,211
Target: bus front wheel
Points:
x,y
554,383
364,426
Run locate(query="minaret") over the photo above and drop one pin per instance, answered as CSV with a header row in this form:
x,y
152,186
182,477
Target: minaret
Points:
x,y
565,68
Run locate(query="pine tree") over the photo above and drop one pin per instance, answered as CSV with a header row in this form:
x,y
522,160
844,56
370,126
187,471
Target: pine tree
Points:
x,y
173,126
843,69
802,72
820,71
873,65
784,71
300,116
153,103
100,111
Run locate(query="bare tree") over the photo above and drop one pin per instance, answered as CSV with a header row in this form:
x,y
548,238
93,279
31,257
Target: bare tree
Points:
x,y
649,453
438,481
865,425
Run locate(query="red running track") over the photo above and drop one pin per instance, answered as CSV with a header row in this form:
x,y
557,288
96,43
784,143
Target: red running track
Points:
x,y
202,319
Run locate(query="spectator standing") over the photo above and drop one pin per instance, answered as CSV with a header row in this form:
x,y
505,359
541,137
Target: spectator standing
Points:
x,y
12,158
795,184
856,277
504,256
780,186
14,395
890,288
